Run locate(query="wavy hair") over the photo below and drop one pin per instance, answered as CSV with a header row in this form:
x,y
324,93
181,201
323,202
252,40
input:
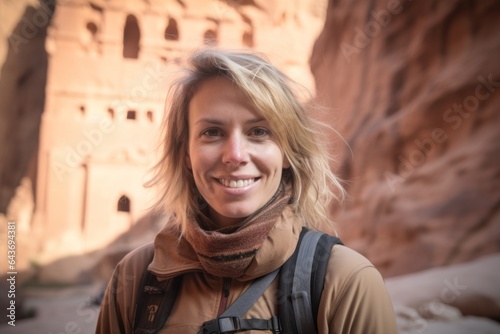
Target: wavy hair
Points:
x,y
313,183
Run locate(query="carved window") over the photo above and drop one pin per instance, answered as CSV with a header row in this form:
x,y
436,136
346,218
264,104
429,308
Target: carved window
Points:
x,y
123,204
210,37
131,38
92,29
131,114
247,39
172,31
111,113
150,116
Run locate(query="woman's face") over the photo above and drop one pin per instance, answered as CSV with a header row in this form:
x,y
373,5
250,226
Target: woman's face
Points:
x,y
235,159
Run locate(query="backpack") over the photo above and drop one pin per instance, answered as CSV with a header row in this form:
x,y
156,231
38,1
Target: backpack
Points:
x,y
300,287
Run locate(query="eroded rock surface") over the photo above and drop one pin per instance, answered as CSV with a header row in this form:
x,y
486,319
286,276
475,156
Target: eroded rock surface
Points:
x,y
414,89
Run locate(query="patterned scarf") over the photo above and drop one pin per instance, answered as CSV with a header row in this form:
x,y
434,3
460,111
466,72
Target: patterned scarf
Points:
x,y
228,252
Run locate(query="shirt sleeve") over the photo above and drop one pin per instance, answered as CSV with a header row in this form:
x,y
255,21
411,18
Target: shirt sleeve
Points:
x,y
110,316
355,299
118,305
365,306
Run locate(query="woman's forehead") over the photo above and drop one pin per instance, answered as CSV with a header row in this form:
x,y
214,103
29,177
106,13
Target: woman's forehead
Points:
x,y
221,94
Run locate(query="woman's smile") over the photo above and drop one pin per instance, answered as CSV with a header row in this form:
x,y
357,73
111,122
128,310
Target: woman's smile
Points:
x,y
236,183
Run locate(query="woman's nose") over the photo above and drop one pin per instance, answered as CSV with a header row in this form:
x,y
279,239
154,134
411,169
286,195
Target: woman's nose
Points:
x,y
235,150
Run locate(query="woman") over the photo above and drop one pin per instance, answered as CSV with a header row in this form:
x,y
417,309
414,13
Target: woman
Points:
x,y
242,173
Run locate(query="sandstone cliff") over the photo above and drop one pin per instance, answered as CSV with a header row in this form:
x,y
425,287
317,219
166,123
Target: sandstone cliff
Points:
x,y
414,89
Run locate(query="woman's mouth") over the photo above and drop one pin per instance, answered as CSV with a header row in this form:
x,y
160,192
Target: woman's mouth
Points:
x,y
236,183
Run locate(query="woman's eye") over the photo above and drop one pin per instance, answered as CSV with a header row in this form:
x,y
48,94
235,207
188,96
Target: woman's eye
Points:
x,y
211,133
260,132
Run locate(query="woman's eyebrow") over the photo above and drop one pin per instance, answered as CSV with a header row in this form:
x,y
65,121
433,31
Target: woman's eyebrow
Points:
x,y
256,120
210,121
220,122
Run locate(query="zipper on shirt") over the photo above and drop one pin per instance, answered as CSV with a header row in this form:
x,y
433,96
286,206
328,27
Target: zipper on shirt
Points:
x,y
226,283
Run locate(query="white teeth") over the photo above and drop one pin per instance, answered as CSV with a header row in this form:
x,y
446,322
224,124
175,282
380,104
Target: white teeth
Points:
x,y
236,184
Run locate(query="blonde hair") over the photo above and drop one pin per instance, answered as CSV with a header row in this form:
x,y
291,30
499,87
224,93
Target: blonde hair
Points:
x,y
313,183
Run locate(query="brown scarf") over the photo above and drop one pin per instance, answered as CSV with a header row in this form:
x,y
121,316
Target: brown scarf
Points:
x,y
226,254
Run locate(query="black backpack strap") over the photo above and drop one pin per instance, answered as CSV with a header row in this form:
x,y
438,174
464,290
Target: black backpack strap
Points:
x,y
237,324
301,285
230,320
155,303
250,296
302,280
320,267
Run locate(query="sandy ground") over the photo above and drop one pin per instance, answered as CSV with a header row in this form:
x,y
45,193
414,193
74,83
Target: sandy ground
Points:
x,y
59,311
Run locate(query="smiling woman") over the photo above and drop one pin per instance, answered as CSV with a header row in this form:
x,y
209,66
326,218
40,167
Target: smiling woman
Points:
x,y
243,179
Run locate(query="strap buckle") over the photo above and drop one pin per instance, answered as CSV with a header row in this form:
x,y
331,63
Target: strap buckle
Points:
x,y
229,325
276,324
222,325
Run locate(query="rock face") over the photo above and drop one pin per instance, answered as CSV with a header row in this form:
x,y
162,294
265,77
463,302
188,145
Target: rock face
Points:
x,y
414,89
22,91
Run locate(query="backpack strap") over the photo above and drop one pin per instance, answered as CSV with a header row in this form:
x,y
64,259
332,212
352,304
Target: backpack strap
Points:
x,y
251,295
230,321
302,280
155,303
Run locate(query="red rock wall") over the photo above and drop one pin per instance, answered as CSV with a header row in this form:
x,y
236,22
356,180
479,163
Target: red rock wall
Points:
x,y
414,89
22,93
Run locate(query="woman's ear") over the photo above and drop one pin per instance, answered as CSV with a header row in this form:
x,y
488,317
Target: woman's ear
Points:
x,y
188,161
